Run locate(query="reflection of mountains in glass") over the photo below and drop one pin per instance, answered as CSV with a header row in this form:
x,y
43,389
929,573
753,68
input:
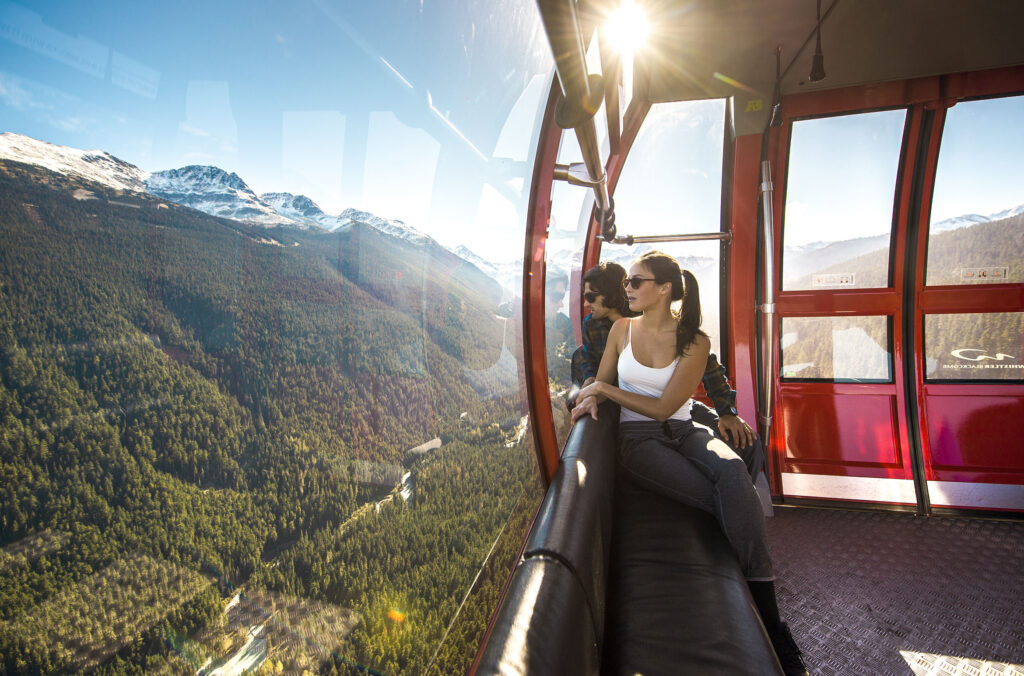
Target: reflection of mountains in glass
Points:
x,y
953,246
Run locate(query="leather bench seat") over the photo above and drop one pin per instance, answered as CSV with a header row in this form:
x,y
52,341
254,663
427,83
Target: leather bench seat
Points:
x,y
616,580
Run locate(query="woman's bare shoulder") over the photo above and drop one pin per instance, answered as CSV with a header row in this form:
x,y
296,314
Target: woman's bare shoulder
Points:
x,y
700,347
617,336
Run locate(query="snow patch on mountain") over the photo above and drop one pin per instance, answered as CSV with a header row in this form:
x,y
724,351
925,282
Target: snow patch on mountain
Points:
x,y
560,261
1007,213
300,209
967,220
485,266
91,165
215,192
395,228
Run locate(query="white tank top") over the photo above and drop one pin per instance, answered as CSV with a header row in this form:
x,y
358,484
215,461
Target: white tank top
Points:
x,y
645,380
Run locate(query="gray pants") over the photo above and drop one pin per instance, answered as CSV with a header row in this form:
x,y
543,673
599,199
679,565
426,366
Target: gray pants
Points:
x,y
753,455
683,462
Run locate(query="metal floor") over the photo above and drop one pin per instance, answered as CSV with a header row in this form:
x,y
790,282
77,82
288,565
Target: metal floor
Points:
x,y
879,593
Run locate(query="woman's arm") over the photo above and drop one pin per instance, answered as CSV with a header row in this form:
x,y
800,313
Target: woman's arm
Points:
x,y
680,387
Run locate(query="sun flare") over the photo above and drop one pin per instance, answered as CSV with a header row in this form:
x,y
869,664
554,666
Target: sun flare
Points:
x,y
627,27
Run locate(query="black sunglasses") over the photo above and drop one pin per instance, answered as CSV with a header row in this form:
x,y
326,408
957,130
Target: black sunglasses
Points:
x,y
637,281
590,296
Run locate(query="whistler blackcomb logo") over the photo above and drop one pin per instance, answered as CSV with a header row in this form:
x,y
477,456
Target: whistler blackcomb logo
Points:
x,y
976,358
962,354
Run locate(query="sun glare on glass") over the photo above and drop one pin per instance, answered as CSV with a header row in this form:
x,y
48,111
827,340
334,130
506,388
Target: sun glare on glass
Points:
x,y
627,27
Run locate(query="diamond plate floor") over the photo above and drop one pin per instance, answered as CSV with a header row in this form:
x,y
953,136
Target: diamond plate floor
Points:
x,y
857,588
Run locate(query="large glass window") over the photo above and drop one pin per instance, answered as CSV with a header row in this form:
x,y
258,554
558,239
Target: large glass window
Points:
x,y
975,346
841,349
260,347
671,184
839,201
976,233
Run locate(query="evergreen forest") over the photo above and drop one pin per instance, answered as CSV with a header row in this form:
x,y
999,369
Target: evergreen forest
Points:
x,y
205,436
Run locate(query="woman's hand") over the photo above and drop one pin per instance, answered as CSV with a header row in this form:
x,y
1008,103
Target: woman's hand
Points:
x,y
591,390
584,406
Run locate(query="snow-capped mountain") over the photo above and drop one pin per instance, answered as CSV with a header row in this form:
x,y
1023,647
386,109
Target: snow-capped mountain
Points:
x,y
91,165
303,210
807,258
215,192
561,259
392,227
967,220
485,266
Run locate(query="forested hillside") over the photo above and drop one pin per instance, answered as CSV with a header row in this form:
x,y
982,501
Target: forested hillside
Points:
x,y
857,347
195,403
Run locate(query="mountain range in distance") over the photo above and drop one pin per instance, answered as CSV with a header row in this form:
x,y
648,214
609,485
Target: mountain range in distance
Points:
x,y
219,193
204,188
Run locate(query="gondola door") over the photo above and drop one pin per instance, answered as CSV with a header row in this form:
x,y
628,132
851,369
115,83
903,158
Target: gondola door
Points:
x,y
900,301
841,429
968,313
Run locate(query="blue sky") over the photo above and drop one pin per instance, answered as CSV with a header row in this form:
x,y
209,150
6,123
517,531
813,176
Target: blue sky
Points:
x,y
842,170
409,110
424,112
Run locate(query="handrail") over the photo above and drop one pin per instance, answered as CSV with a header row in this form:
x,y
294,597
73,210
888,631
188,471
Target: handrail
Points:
x,y
768,308
630,240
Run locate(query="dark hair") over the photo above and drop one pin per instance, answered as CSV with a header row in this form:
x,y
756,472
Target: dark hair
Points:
x,y
666,270
606,279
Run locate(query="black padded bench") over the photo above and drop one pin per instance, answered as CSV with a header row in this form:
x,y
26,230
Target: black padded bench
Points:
x,y
616,580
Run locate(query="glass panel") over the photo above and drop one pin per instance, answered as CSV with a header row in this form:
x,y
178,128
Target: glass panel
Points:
x,y
840,349
976,234
571,206
260,366
980,346
839,201
671,182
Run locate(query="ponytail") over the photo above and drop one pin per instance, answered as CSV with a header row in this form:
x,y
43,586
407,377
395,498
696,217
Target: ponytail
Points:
x,y
665,269
689,315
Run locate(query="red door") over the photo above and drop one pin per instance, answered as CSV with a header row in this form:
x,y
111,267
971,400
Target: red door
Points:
x,y
878,401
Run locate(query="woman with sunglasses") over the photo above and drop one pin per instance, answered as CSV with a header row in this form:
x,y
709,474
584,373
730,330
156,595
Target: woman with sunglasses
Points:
x,y
659,358
606,296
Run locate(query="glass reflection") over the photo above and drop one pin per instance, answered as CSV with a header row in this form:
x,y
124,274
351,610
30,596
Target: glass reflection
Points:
x,y
672,180
840,349
261,365
976,346
977,220
839,201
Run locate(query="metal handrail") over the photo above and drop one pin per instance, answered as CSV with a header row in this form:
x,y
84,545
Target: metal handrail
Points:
x,y
768,308
630,240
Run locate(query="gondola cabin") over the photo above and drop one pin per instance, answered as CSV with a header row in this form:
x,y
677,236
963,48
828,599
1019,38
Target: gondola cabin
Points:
x,y
289,297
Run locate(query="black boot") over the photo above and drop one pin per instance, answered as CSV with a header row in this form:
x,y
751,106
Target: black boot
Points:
x,y
785,647
787,651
